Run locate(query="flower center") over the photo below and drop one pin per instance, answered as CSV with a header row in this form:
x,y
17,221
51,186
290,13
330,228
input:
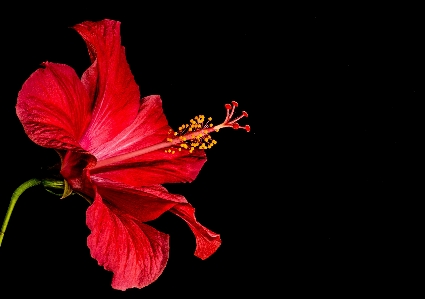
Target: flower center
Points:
x,y
188,137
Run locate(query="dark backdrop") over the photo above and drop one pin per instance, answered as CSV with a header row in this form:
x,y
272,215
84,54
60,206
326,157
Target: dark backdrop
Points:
x,y
318,198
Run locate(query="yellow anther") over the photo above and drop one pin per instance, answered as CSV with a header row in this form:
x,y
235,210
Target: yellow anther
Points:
x,y
194,135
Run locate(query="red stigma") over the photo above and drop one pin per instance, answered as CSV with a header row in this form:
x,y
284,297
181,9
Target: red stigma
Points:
x,y
232,123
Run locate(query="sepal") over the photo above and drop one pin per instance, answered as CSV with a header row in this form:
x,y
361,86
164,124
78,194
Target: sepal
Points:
x,y
57,187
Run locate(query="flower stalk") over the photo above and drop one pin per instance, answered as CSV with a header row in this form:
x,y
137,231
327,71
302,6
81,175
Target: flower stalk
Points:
x,y
13,200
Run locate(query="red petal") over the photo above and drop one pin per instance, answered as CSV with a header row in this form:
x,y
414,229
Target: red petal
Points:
x,y
109,82
54,108
150,127
155,168
144,204
207,242
148,203
135,252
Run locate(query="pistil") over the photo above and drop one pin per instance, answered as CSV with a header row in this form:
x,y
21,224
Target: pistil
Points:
x,y
188,137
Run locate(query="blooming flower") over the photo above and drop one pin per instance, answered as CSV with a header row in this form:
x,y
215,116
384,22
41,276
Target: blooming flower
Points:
x,y
117,150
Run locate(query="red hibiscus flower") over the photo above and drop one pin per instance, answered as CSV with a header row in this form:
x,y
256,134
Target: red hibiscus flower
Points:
x,y
117,150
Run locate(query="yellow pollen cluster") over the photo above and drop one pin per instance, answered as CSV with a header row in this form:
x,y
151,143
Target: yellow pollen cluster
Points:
x,y
193,136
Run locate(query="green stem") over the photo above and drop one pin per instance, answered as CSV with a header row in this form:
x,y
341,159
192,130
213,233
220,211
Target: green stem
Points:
x,y
13,200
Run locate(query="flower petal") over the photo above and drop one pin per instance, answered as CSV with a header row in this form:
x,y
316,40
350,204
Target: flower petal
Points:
x,y
54,107
109,82
155,168
207,242
150,127
144,203
147,203
135,252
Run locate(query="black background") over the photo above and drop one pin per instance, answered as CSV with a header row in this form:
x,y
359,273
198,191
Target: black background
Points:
x,y
318,198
